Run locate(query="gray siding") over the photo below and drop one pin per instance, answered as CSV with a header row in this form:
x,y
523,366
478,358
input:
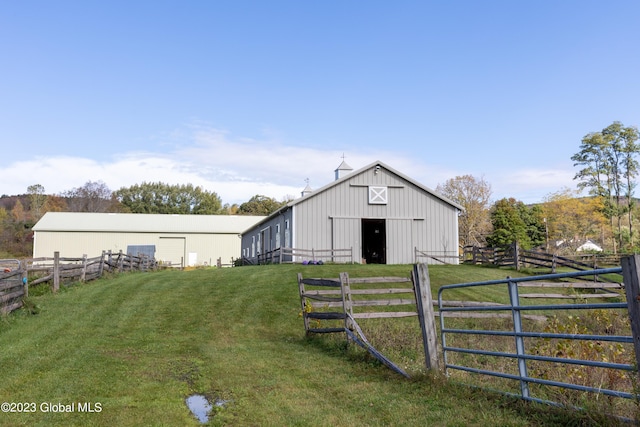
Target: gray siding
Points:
x,y
331,217
268,235
415,218
346,234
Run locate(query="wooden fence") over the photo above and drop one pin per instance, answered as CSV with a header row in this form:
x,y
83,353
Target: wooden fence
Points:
x,y
517,257
17,276
13,286
291,255
435,256
339,302
334,305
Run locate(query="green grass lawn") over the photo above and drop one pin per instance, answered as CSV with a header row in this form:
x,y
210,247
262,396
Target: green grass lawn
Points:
x,y
136,345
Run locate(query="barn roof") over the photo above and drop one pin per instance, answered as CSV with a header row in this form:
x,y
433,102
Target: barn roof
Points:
x,y
145,223
368,167
351,175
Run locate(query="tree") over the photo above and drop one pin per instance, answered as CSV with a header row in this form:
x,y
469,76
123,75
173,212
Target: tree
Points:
x,y
630,148
513,221
55,204
15,236
163,198
231,209
572,219
473,195
18,213
37,199
91,197
609,166
260,205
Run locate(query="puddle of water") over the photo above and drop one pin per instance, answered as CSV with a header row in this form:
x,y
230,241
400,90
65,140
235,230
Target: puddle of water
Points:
x,y
199,406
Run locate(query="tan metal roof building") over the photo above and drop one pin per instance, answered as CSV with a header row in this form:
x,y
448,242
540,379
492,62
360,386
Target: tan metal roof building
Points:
x,y
188,239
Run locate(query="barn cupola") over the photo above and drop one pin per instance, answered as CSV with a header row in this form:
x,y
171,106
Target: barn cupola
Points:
x,y
307,190
343,169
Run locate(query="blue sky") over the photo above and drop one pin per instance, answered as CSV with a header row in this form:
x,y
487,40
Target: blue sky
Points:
x,y
253,97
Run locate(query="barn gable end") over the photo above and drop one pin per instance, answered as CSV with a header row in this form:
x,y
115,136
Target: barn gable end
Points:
x,y
377,212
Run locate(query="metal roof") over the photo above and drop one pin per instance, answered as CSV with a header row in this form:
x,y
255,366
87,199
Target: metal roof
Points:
x,y
359,171
145,223
370,166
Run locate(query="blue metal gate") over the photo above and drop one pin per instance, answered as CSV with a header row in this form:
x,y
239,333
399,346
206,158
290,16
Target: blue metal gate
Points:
x,y
519,344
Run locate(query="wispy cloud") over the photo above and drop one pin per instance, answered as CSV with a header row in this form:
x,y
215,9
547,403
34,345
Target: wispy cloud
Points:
x,y
239,168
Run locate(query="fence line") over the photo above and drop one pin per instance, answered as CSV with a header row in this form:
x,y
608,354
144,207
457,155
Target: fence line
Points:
x,y
14,283
284,255
515,256
339,302
335,306
439,257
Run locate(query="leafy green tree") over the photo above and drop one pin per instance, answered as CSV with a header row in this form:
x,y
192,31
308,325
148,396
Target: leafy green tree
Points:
x,y
630,148
608,166
160,198
260,205
473,194
513,221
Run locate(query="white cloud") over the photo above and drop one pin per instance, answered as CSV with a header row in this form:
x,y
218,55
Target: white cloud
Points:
x,y
531,185
239,168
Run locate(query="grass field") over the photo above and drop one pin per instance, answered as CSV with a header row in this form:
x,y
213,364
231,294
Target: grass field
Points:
x,y
133,347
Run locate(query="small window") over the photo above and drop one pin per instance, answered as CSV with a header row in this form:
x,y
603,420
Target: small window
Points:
x,y
377,195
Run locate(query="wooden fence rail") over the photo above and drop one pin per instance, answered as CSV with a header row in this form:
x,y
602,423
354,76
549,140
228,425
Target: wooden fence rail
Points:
x,y
517,257
442,257
17,276
291,255
334,305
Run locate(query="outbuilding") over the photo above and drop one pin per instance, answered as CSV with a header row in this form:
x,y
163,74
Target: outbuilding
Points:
x,y
381,215
188,240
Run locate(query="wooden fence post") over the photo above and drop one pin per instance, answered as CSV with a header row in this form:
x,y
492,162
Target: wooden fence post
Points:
x,y
120,261
347,303
426,315
83,274
631,277
101,267
56,271
516,255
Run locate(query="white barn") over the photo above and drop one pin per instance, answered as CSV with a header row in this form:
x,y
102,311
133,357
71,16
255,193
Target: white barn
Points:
x,y
190,240
382,215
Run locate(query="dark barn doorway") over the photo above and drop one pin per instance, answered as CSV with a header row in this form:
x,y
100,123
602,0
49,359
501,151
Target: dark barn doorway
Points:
x,y
374,241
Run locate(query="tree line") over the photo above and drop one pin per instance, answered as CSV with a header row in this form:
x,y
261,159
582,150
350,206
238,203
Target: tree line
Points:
x,y
608,167
18,214
607,162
